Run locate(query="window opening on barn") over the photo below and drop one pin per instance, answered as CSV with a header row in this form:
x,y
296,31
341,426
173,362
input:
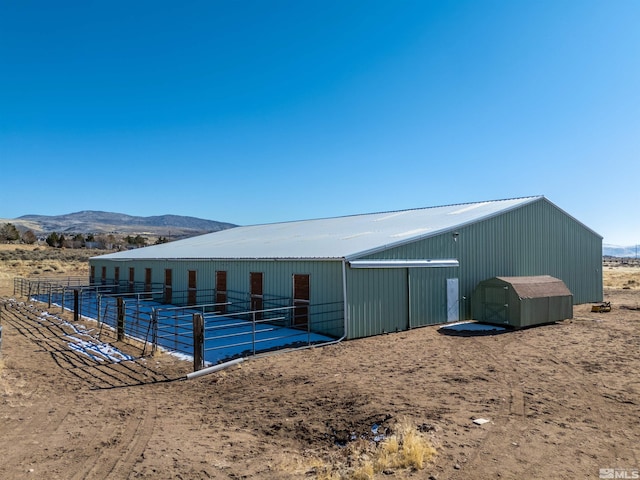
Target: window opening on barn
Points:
x,y
257,295
92,275
192,292
301,296
221,290
168,285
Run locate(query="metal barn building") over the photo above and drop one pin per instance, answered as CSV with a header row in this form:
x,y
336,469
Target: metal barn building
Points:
x,y
388,271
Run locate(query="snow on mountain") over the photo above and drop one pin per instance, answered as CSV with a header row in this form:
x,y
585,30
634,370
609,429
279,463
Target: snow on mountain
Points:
x,y
620,251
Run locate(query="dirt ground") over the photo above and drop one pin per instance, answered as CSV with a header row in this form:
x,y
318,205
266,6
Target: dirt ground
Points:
x,y
562,400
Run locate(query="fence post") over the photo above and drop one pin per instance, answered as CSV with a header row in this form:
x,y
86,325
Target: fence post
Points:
x,y
120,322
154,332
76,293
137,311
253,331
198,342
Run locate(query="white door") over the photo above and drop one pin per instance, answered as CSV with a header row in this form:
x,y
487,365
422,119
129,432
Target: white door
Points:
x,y
453,302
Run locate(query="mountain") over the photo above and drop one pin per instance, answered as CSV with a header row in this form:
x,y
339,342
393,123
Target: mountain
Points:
x,y
97,222
619,251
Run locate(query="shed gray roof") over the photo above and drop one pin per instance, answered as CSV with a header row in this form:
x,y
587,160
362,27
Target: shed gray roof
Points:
x,y
537,286
346,237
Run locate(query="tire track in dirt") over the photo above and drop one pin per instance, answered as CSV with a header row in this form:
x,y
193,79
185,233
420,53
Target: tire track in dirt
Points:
x,y
595,400
40,423
122,444
118,437
141,436
508,425
54,335
585,390
537,418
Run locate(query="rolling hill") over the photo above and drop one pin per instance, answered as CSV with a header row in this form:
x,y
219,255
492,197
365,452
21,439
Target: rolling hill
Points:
x,y
97,222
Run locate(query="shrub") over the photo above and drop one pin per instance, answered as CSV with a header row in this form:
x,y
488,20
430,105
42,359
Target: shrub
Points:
x,y
406,449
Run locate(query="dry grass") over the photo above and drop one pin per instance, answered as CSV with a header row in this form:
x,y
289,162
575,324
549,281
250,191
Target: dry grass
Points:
x,y
44,261
622,276
407,449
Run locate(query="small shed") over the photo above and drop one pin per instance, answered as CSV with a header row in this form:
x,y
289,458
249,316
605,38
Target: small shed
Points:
x,y
522,301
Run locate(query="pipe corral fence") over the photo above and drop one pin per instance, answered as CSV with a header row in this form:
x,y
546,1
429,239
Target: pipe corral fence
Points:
x,y
210,332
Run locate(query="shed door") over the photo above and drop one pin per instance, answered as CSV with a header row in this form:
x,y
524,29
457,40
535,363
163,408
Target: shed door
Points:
x,y
453,300
495,303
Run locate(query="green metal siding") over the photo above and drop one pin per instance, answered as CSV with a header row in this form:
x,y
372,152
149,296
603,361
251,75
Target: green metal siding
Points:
x,y
325,278
377,301
535,239
428,295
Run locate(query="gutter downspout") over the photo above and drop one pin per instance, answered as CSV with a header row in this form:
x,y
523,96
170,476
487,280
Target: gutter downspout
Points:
x,y
215,368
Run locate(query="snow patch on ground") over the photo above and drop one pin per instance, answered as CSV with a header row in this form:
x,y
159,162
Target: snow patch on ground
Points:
x,y
469,326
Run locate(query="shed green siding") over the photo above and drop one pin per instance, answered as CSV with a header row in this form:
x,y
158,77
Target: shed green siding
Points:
x,y
496,300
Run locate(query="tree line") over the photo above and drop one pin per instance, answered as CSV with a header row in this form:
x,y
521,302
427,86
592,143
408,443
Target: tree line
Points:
x,y
10,234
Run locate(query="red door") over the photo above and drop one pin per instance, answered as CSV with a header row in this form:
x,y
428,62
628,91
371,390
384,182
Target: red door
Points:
x,y
116,278
221,291
257,296
168,285
193,289
301,295
132,278
147,279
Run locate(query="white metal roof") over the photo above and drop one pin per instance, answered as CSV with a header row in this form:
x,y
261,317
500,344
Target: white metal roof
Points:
x,y
347,237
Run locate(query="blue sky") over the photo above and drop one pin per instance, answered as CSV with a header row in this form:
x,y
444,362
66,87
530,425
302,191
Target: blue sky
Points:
x,y
257,112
